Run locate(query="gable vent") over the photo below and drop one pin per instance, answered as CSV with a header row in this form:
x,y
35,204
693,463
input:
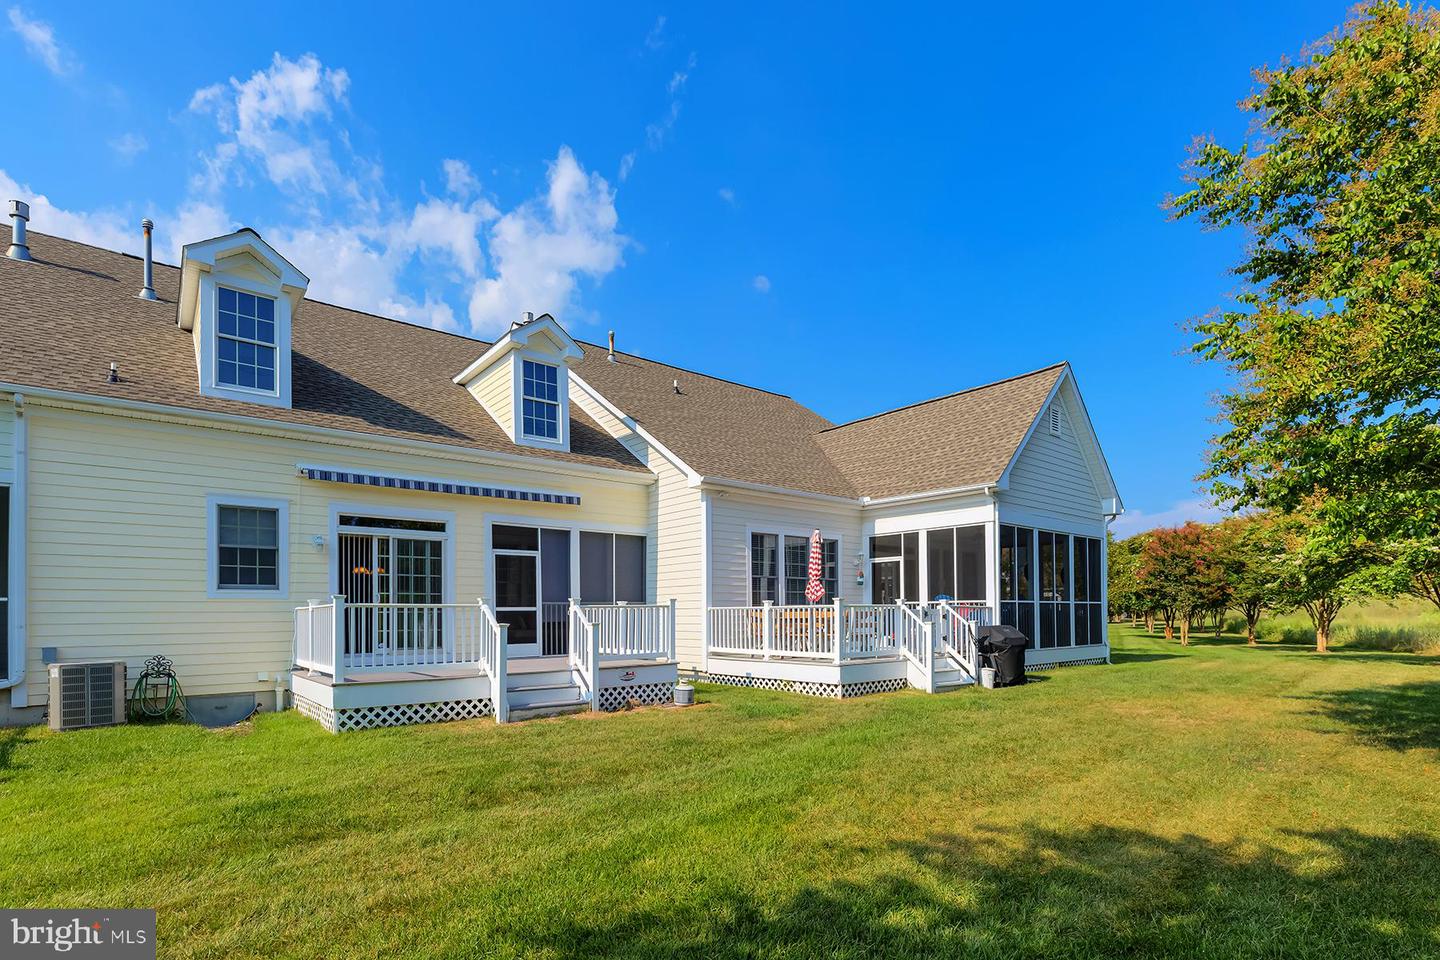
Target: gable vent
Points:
x,y
86,694
1054,420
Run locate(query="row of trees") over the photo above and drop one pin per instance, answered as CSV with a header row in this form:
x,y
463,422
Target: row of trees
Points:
x,y
1330,437
1197,573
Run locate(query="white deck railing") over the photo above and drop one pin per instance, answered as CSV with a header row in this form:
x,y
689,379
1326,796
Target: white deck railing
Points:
x,y
585,654
867,631
633,631
343,639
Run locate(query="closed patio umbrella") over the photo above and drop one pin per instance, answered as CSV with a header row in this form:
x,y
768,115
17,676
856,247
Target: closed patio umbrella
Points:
x,y
814,588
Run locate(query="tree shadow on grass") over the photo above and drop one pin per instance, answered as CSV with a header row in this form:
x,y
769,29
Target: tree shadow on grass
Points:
x,y
1401,717
1031,891
1120,656
10,741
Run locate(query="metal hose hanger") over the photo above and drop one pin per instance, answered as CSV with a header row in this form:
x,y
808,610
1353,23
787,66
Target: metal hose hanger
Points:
x,y
157,693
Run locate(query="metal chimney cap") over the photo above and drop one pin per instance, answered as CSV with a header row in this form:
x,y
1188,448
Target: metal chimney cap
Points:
x,y
20,209
147,224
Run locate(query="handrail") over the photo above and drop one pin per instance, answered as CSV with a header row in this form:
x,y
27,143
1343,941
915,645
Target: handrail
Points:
x,y
917,644
633,631
958,638
585,653
494,660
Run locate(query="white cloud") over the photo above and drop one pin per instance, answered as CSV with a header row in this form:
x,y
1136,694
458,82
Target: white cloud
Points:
x,y
270,118
627,163
656,133
103,228
727,195
40,42
1134,521
542,248
129,145
459,178
362,245
655,39
761,283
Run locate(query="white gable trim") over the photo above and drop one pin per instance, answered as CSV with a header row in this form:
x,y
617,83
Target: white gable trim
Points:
x,y
205,255
691,476
1085,433
519,339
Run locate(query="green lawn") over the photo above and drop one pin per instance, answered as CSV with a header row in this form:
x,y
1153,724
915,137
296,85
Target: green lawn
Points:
x,y
1217,801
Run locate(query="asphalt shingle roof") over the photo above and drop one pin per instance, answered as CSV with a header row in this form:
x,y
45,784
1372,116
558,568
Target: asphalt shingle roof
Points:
x,y
70,313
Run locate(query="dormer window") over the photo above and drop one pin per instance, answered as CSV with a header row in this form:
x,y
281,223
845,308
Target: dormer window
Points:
x,y
238,299
540,414
245,340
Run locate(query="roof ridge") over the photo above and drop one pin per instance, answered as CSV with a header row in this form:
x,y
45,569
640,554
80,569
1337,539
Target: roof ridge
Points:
x,y
449,333
698,373
957,393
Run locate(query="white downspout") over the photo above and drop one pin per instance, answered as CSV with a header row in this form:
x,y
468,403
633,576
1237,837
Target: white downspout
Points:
x,y
19,519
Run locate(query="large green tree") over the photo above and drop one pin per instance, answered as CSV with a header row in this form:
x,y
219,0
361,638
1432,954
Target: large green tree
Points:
x,y
1334,335
1248,551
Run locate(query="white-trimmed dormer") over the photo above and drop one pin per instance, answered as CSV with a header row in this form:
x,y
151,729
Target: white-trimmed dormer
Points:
x,y
523,382
238,299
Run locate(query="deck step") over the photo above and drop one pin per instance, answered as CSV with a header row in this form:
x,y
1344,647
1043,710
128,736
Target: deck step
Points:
x,y
528,687
549,708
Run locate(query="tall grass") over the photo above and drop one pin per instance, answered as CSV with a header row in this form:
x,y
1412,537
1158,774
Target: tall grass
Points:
x,y
1405,626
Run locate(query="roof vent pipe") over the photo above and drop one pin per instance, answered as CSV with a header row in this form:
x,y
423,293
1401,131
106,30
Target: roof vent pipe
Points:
x,y
19,215
147,292
611,357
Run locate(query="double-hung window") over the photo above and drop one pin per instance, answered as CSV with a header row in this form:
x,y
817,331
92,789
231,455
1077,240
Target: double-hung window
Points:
x,y
540,401
245,341
247,547
781,577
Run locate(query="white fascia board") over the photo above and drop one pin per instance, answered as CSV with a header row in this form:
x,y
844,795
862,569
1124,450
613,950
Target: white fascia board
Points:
x,y
692,477
778,491
185,415
985,489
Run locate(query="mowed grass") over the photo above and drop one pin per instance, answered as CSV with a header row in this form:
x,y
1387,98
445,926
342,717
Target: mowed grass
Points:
x,y
1213,802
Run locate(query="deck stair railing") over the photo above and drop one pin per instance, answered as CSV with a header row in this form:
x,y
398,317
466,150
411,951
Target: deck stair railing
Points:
x,y
585,654
956,630
917,646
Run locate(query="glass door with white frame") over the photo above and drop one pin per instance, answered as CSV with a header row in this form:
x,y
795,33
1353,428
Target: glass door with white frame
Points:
x,y
391,572
516,553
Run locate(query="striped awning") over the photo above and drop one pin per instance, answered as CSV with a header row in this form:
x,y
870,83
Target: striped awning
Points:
x,y
331,475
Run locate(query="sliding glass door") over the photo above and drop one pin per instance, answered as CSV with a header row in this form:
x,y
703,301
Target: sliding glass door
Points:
x,y
383,560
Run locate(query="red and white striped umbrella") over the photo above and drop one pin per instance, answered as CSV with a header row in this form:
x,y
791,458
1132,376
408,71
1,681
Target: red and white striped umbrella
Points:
x,y
814,589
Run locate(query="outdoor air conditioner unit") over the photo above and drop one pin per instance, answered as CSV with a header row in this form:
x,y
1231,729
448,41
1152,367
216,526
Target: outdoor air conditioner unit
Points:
x,y
87,694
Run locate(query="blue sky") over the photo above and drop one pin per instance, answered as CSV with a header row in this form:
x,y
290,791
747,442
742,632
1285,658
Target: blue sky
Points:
x,y
859,207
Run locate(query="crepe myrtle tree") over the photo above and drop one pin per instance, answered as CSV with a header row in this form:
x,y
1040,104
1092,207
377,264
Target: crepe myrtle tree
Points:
x,y
1247,550
1333,338
1320,574
1176,574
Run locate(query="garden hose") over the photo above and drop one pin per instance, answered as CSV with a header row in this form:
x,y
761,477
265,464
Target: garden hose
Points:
x,y
157,693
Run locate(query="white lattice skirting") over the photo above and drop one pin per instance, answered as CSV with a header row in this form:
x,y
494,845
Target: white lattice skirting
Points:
x,y
863,687
807,687
1092,661
618,698
321,715
395,715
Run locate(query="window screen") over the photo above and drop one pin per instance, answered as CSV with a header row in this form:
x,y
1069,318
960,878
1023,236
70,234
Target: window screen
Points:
x,y
249,548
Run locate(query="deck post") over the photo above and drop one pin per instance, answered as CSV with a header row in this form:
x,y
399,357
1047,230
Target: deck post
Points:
x,y
767,628
671,645
500,696
337,639
839,629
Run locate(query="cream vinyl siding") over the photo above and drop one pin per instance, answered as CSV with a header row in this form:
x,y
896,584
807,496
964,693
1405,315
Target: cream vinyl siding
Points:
x,y
734,515
118,537
1052,476
676,539
495,389
7,438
